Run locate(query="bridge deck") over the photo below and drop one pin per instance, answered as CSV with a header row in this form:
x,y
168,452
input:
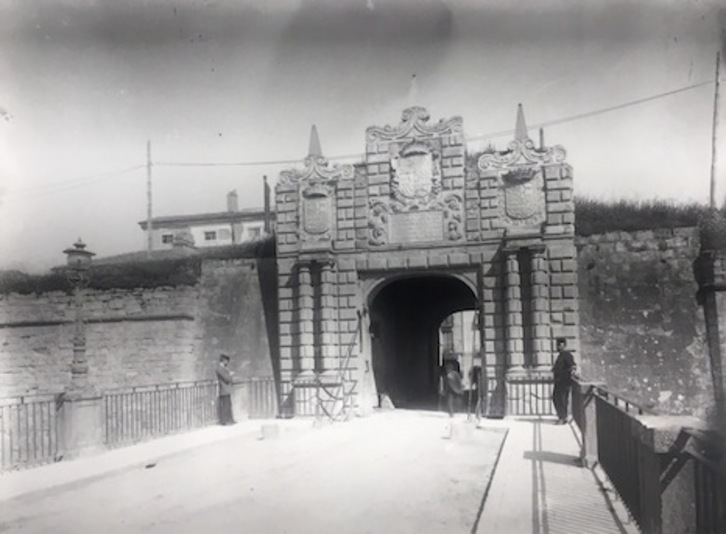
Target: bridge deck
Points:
x,y
356,471
539,487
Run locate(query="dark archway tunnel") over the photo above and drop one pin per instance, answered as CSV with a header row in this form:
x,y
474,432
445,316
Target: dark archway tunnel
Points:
x,y
405,318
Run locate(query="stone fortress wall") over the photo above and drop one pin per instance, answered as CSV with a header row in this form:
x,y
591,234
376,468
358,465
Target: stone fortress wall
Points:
x,y
642,331
141,337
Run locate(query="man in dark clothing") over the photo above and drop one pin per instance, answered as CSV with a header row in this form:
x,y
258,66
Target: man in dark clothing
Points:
x,y
224,377
563,371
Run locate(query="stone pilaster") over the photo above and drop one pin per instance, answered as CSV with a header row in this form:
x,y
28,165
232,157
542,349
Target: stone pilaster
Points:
x,y
305,310
540,310
328,328
515,333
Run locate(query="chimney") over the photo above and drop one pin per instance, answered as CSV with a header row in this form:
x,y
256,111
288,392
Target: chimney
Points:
x,y
232,203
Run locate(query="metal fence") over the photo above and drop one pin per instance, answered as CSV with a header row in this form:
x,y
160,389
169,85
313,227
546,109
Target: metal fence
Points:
x,y
529,396
259,397
305,399
709,478
147,412
29,429
619,451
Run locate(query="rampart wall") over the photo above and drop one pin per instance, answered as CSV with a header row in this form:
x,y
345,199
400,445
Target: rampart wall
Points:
x,y
642,330
141,336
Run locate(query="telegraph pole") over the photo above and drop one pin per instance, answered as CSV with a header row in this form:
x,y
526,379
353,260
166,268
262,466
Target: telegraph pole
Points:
x,y
713,134
148,200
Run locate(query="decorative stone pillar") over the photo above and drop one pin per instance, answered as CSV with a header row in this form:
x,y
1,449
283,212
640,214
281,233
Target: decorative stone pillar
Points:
x,y
540,307
328,318
81,417
515,332
306,338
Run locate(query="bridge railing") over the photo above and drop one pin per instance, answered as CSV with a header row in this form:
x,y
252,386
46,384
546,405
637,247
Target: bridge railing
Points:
x,y
670,476
145,412
29,430
706,449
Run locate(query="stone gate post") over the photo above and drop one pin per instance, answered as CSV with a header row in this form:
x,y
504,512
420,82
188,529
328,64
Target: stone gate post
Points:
x,y
710,272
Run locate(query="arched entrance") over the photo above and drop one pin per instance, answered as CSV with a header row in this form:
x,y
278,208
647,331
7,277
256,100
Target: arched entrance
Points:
x,y
373,256
405,316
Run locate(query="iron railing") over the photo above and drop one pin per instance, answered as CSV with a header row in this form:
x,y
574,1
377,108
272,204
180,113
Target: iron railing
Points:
x,y
29,431
259,397
619,451
709,478
530,395
141,413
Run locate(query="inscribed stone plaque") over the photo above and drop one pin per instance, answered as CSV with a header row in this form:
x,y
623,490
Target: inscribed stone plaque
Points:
x,y
417,226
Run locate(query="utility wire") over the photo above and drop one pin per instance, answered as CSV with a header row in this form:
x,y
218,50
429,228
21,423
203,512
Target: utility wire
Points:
x,y
88,180
592,113
478,137
59,187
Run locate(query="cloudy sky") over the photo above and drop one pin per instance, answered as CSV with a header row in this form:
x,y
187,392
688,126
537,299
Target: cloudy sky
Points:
x,y
84,85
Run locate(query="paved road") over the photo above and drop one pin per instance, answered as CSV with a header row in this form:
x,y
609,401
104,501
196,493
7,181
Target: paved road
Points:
x,y
392,472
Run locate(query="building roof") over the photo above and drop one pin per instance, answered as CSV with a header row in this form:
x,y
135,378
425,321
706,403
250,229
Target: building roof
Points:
x,y
173,221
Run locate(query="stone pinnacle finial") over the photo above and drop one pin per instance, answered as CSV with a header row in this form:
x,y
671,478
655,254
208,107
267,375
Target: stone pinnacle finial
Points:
x,y
413,92
520,130
314,149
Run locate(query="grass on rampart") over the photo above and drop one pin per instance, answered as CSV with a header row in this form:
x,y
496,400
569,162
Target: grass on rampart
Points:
x,y
600,217
591,217
136,272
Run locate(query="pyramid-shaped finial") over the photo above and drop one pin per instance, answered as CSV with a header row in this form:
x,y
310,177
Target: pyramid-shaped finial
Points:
x,y
412,96
314,149
520,130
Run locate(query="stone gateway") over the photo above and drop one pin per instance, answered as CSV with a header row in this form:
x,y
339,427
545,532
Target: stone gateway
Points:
x,y
373,256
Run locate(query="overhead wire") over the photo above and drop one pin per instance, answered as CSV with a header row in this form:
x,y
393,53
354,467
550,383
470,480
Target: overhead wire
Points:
x,y
59,187
66,185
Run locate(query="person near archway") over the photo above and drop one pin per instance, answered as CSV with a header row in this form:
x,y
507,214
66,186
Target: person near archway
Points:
x,y
452,385
224,377
563,371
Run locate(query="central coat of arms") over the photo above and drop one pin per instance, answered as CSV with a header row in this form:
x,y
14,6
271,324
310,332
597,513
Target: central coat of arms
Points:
x,y
416,174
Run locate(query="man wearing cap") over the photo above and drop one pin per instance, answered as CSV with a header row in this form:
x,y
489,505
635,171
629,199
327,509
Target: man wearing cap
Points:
x,y
224,377
563,371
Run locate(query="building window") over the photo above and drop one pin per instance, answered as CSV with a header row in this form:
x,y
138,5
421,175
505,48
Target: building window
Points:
x,y
167,238
210,236
255,232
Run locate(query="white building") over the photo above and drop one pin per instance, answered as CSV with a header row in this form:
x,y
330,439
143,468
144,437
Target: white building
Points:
x,y
211,229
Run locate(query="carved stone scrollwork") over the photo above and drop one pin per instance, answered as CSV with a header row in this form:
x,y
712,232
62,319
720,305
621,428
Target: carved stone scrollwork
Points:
x,y
414,122
317,168
378,223
453,207
382,213
521,153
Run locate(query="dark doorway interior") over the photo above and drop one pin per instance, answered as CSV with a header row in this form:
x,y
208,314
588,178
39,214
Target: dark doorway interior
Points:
x,y
405,319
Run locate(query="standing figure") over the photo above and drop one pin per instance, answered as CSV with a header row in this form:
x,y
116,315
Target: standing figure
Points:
x,y
563,371
452,386
224,377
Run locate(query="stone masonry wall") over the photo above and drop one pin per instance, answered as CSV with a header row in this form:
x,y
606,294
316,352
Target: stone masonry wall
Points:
x,y
642,330
134,337
143,336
